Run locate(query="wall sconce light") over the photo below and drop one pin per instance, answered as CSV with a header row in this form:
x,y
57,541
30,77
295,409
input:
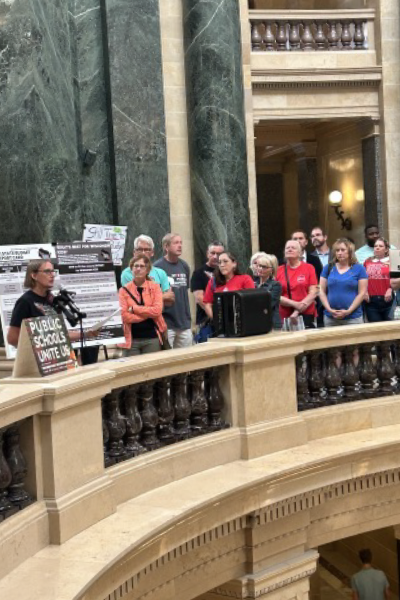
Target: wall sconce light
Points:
x,y
335,200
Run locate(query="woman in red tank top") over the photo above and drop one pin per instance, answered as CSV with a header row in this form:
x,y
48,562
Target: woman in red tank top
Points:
x,y
379,299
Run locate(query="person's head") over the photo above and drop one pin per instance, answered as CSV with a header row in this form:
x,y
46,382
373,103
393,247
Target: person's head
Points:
x,y
143,244
267,266
381,247
371,234
213,251
227,268
254,261
172,245
140,266
318,237
365,556
39,275
293,250
343,251
301,237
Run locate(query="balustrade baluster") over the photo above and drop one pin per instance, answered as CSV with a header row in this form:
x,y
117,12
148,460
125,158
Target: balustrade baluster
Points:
x,y
333,378
149,416
17,465
108,461
333,36
386,369
134,422
320,38
359,36
346,37
116,427
269,37
182,407
256,38
316,378
303,394
166,412
6,508
396,357
281,35
307,39
198,400
367,372
215,401
350,377
294,35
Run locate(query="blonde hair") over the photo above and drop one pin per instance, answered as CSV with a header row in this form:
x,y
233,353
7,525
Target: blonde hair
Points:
x,y
350,247
34,267
272,262
298,245
167,239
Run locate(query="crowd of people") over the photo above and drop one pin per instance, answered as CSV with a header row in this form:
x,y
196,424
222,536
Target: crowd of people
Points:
x,y
330,286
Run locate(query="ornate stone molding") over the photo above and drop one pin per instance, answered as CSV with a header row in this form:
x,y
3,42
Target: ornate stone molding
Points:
x,y
260,86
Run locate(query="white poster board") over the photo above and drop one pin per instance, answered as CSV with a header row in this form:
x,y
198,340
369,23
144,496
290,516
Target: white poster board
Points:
x,y
13,263
115,235
87,269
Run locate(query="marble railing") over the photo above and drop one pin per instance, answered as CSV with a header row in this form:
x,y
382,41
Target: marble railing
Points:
x,y
148,416
347,374
13,472
307,30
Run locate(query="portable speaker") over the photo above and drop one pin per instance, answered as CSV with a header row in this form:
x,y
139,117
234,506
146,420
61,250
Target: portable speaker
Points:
x,y
242,313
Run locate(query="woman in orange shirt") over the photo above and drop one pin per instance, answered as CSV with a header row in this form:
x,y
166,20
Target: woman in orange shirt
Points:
x,y
141,310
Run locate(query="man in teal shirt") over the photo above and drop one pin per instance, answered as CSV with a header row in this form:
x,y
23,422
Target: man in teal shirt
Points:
x,y
143,244
369,583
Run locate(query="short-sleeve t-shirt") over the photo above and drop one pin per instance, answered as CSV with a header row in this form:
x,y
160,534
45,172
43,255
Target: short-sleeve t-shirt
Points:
x,y
342,288
31,305
378,272
238,282
177,316
199,281
158,275
300,279
370,584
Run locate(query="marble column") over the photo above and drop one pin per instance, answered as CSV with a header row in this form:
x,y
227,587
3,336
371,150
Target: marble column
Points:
x,y
371,157
307,172
136,100
216,126
39,175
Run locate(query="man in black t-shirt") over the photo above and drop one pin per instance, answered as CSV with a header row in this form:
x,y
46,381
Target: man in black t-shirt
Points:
x,y
198,284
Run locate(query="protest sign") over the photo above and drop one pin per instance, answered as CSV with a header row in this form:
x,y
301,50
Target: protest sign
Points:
x,y
113,234
44,348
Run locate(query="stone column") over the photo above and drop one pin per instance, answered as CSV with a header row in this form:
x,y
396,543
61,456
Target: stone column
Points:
x,y
217,131
371,156
134,86
307,171
271,212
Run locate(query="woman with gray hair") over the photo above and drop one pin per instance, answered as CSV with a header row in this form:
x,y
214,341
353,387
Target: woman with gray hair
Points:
x,y
267,270
254,262
299,286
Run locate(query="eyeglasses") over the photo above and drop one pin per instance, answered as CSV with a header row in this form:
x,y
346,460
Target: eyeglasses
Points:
x,y
264,266
143,249
46,271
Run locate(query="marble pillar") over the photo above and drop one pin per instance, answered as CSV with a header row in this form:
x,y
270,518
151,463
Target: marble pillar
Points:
x,y
307,171
371,157
216,126
135,92
39,174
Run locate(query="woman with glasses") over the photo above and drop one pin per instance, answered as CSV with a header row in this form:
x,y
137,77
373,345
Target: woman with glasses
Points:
x,y
227,278
267,269
141,310
37,301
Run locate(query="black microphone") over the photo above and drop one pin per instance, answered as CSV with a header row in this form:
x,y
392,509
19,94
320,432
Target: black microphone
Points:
x,y
64,303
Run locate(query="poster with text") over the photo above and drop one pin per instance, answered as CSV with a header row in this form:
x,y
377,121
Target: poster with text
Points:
x,y
13,263
112,234
87,270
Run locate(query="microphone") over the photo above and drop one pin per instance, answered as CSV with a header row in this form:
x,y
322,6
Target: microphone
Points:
x,y
64,303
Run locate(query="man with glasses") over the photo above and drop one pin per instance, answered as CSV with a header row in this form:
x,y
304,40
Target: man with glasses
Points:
x,y
143,244
198,284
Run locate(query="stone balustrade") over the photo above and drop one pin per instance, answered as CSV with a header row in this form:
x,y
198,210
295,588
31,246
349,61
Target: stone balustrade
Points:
x,y
147,416
314,31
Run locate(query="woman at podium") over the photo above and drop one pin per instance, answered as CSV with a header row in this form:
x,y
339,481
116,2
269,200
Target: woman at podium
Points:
x,y
37,301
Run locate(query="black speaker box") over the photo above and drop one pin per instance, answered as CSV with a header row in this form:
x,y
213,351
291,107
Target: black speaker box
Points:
x,y
242,313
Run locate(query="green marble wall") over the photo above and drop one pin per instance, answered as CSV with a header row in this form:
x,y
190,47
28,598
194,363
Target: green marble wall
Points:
x,y
216,122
